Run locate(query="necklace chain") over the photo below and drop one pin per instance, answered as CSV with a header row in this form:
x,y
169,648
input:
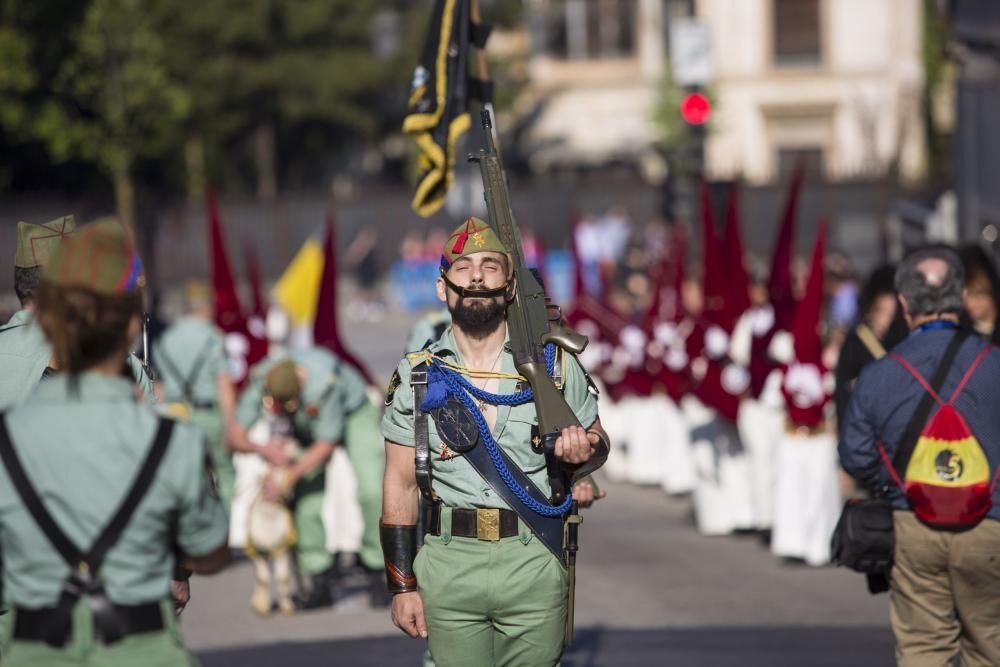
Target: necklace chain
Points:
x,y
480,402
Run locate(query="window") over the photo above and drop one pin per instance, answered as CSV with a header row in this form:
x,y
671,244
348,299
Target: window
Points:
x,y
589,29
797,32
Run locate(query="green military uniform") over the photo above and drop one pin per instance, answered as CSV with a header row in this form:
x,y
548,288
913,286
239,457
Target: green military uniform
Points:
x,y
487,603
80,441
24,352
427,329
320,418
363,442
24,356
189,357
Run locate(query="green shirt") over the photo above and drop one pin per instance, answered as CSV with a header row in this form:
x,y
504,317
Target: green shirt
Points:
x,y
81,448
456,482
24,355
190,353
321,417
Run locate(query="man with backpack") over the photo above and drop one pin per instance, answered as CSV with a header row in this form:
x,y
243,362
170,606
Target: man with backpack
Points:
x,y
923,429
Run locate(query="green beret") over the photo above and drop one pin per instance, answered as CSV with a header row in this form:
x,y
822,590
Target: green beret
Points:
x,y
100,257
35,243
470,237
282,382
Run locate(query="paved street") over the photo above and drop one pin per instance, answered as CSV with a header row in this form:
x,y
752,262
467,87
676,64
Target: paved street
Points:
x,y
651,592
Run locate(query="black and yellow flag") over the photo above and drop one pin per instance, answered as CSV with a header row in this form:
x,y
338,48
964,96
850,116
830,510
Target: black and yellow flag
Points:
x,y
437,112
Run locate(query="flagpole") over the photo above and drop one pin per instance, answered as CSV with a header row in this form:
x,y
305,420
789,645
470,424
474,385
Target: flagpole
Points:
x,y
482,68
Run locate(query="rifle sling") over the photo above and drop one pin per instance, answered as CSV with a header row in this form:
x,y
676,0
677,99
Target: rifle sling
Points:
x,y
547,529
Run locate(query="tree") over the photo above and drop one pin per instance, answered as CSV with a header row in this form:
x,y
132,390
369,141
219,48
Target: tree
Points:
x,y
113,100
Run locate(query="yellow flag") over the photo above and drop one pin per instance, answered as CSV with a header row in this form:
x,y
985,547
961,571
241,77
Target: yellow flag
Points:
x,y
298,288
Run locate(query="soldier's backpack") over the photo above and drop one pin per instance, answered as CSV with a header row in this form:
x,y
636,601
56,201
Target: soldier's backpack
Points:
x,y
947,480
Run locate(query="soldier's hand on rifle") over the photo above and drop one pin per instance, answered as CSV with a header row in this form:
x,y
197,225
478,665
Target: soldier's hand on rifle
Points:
x,y
275,452
584,493
575,444
408,614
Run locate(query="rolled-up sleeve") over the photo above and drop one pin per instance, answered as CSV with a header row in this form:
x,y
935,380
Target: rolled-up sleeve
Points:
x,y
397,422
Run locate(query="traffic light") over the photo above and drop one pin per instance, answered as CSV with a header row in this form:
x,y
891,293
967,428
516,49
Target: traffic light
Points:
x,y
695,108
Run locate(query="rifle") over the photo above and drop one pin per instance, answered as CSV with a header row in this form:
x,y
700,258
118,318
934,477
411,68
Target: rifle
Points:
x,y
532,324
146,366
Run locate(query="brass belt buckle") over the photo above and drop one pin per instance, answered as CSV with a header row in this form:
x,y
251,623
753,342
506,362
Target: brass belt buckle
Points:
x,y
488,524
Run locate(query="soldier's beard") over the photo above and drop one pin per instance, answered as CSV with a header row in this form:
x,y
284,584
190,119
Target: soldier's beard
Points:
x,y
478,318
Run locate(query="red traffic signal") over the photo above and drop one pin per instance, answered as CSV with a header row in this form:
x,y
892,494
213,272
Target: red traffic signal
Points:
x,y
695,109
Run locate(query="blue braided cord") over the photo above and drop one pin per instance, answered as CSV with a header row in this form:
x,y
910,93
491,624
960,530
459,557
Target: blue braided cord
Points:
x,y
455,387
519,398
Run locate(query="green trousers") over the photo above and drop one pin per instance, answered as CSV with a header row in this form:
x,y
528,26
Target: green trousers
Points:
x,y
366,451
491,603
151,649
310,545
210,423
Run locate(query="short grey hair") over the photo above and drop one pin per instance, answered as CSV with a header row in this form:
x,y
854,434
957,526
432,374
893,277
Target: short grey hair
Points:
x,y
922,296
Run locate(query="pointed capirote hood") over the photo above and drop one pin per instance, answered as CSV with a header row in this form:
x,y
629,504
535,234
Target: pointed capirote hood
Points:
x,y
805,329
779,285
739,282
714,280
326,329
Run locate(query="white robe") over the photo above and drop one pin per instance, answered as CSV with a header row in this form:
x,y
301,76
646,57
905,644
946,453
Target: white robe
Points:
x,y
679,475
761,423
722,496
614,419
807,499
646,436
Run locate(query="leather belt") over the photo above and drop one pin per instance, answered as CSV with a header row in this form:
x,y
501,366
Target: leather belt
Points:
x,y
203,405
489,524
135,619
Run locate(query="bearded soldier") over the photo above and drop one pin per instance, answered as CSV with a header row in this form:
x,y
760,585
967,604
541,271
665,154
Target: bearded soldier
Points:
x,y
492,584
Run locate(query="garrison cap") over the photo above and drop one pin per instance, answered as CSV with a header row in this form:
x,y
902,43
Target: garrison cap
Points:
x,y
472,236
101,257
35,243
282,382
197,292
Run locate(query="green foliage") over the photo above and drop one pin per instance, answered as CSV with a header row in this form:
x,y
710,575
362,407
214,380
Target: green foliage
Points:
x,y
113,99
16,76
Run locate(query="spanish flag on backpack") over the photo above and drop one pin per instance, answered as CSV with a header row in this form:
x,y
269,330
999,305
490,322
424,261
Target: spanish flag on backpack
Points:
x,y
947,481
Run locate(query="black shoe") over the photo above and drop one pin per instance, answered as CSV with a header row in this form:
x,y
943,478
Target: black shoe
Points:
x,y
320,593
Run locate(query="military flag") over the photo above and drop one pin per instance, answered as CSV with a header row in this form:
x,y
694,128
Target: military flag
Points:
x,y
437,110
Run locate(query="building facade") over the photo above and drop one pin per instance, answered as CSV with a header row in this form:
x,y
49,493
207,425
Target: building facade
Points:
x,y
836,81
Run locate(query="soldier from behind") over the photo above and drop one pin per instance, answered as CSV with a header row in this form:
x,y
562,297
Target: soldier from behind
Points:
x,y
101,500
191,363
492,589
24,352
303,392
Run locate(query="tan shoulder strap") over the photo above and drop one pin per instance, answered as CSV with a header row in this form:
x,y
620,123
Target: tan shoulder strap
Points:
x,y
870,341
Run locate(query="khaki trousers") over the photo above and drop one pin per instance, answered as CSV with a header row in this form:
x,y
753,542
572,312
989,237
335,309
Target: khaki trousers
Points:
x,y
491,604
945,594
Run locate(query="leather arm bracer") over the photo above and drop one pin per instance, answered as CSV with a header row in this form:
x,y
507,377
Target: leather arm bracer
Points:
x,y
399,547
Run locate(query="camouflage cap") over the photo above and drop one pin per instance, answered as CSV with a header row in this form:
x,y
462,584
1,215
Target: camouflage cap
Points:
x,y
472,236
282,382
35,243
101,257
